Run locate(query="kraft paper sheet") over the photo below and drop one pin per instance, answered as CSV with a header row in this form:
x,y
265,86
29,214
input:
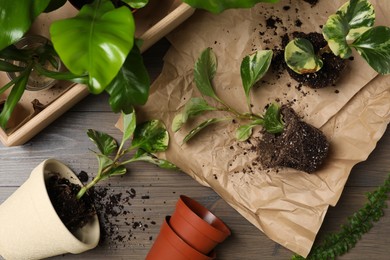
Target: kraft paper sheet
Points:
x,y
287,205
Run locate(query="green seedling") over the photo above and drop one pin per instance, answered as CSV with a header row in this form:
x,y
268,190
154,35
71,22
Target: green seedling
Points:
x,y
146,138
253,68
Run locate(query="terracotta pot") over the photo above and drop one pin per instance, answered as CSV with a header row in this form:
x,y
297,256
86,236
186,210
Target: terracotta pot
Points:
x,y
169,246
30,226
196,225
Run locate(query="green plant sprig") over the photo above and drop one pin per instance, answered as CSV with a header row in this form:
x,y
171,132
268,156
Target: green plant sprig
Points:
x,y
351,27
336,244
253,68
147,138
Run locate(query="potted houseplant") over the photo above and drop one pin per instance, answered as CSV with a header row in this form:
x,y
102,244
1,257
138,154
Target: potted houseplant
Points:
x,y
98,35
313,60
59,207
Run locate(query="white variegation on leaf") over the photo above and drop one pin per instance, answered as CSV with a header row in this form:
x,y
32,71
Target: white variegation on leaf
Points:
x,y
350,21
300,57
374,47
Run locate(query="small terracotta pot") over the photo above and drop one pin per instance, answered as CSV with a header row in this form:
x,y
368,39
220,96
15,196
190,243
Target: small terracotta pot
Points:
x,y
30,227
196,225
169,246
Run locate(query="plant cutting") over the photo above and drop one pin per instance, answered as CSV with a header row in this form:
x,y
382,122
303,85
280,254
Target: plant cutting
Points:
x,y
146,138
253,68
351,27
286,140
337,244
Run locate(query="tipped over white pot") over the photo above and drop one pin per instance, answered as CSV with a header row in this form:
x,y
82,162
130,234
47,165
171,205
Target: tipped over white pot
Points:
x,y
30,227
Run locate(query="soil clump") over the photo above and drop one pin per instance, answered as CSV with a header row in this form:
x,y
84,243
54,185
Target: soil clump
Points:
x,y
300,146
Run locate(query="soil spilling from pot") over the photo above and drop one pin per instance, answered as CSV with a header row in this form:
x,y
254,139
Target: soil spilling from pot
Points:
x,y
300,146
331,70
74,213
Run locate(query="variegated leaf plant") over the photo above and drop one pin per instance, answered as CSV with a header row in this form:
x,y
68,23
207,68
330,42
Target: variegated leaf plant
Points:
x,y
352,26
253,68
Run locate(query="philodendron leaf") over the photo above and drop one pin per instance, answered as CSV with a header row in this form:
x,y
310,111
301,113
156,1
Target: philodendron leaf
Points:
x,y
96,41
195,106
245,131
253,68
204,72
217,6
273,122
201,126
129,125
104,142
120,170
374,46
151,136
16,18
137,3
300,57
103,162
350,21
147,157
131,85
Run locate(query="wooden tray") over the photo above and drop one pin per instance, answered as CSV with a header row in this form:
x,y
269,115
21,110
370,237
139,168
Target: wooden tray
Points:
x,y
152,23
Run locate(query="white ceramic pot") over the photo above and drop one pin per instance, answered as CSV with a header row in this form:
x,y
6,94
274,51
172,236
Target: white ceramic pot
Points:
x,y
30,226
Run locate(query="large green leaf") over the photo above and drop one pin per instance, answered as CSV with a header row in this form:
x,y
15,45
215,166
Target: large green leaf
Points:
x,y
374,46
300,57
204,72
151,136
350,21
16,18
129,124
217,6
131,85
96,41
104,142
253,68
195,106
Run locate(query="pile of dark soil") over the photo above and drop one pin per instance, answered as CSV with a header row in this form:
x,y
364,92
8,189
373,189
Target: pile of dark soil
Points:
x,y
331,70
300,146
74,213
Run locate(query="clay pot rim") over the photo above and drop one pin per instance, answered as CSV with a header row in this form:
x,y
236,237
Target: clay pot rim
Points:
x,y
179,244
217,229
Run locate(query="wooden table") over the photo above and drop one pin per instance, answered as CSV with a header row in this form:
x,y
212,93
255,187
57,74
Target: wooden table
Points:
x,y
156,190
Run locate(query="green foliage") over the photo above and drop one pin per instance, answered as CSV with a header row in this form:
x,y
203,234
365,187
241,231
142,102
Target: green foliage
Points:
x,y
96,41
300,57
137,4
17,17
147,138
253,68
217,6
350,27
336,244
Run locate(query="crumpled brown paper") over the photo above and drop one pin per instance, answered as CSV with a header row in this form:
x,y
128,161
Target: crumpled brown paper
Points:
x,y
287,205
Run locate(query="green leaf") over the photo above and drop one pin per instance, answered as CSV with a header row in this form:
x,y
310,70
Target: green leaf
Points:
x,y
147,157
137,4
245,131
8,67
129,125
96,41
374,46
151,136
14,96
300,57
104,142
273,122
195,106
103,162
201,126
120,170
204,72
16,18
217,6
253,68
350,21
131,85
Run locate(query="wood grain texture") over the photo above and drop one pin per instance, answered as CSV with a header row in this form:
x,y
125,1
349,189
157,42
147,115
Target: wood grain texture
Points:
x,y
157,190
